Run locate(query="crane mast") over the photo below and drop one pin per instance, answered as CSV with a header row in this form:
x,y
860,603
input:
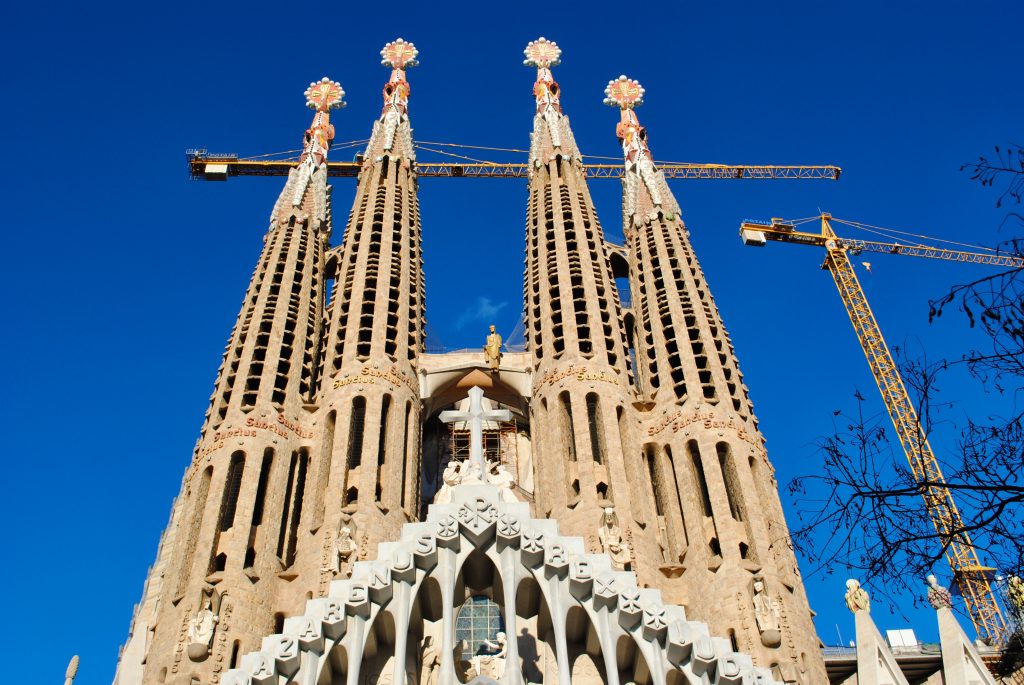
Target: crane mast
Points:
x,y
961,554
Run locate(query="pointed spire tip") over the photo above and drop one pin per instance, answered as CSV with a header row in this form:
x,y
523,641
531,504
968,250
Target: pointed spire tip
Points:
x,y
624,93
325,95
542,53
399,54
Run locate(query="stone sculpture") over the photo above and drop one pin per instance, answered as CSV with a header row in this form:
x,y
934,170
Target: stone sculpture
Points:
x,y
201,628
1015,591
857,597
492,665
766,614
343,550
938,596
492,350
451,477
430,662
612,540
500,477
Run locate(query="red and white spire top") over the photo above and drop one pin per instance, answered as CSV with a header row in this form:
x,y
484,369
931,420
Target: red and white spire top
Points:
x,y
399,54
325,95
322,96
544,54
640,173
626,94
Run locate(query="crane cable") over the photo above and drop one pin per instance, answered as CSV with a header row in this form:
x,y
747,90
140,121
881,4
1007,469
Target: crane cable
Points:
x,y
879,230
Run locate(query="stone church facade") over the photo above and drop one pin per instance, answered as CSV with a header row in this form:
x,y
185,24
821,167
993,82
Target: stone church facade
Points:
x,y
620,522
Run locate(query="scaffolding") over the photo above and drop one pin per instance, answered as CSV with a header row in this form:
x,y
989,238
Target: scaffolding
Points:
x,y
501,442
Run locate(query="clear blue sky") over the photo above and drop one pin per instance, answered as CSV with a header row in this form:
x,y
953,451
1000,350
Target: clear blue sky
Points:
x,y
122,278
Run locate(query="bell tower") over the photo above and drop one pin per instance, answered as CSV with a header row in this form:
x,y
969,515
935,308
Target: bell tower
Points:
x,y
581,376
722,530
375,330
234,529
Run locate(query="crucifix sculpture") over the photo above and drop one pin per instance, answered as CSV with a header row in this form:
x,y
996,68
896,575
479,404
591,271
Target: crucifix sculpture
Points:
x,y
475,417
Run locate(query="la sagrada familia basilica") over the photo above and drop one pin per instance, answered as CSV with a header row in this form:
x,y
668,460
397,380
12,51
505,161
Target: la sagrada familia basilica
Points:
x,y
598,508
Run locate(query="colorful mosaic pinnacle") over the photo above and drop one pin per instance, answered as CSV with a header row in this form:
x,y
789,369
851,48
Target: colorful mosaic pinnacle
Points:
x,y
624,93
399,54
542,53
325,95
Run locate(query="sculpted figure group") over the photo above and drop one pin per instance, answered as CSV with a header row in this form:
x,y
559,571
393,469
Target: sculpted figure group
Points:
x,y
468,473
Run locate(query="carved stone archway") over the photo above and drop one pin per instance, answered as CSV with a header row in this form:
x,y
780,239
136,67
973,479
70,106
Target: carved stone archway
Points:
x,y
477,521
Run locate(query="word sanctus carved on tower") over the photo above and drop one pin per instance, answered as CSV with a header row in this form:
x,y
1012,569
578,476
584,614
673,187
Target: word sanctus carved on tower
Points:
x,y
597,508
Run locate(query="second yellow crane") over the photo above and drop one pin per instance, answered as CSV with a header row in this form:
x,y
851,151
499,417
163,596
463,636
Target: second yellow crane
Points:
x,y
963,558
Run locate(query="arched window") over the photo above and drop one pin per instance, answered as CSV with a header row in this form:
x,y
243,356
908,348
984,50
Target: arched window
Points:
x,y
479,620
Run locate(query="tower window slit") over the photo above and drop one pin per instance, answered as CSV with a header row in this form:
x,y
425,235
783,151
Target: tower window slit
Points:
x,y
569,430
282,534
594,424
257,508
698,472
232,487
302,456
199,497
357,421
382,444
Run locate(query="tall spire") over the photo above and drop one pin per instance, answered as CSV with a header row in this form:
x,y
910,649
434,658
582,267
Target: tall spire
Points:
x,y
322,96
392,134
375,332
645,187
581,380
551,133
235,525
719,512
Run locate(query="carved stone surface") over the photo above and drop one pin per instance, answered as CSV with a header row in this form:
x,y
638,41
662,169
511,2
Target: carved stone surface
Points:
x,y
560,568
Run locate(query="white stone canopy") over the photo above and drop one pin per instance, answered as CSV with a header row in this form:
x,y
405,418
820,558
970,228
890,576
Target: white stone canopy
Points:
x,y
336,629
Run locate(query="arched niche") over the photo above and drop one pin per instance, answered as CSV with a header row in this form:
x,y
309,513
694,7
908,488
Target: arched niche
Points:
x,y
633,666
533,620
334,665
585,658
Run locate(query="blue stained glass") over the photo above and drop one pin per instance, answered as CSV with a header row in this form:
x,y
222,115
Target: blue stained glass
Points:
x,y
479,620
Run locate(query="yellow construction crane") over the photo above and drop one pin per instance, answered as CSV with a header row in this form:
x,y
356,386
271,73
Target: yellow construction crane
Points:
x,y
968,572
218,167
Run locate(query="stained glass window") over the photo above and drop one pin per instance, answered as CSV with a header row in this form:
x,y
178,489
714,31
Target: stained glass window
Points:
x,y
479,619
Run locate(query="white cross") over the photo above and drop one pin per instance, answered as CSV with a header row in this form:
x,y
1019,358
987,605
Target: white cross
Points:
x,y
476,417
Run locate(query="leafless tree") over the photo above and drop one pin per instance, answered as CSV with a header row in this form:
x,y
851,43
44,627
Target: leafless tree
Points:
x,y
863,510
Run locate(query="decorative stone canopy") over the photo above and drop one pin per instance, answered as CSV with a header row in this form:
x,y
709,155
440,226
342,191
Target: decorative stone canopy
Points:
x,y
336,629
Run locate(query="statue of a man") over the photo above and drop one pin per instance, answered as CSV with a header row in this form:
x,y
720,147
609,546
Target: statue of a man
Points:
x,y
492,350
938,596
343,549
766,614
430,662
452,476
612,541
200,630
857,597
493,663
499,476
